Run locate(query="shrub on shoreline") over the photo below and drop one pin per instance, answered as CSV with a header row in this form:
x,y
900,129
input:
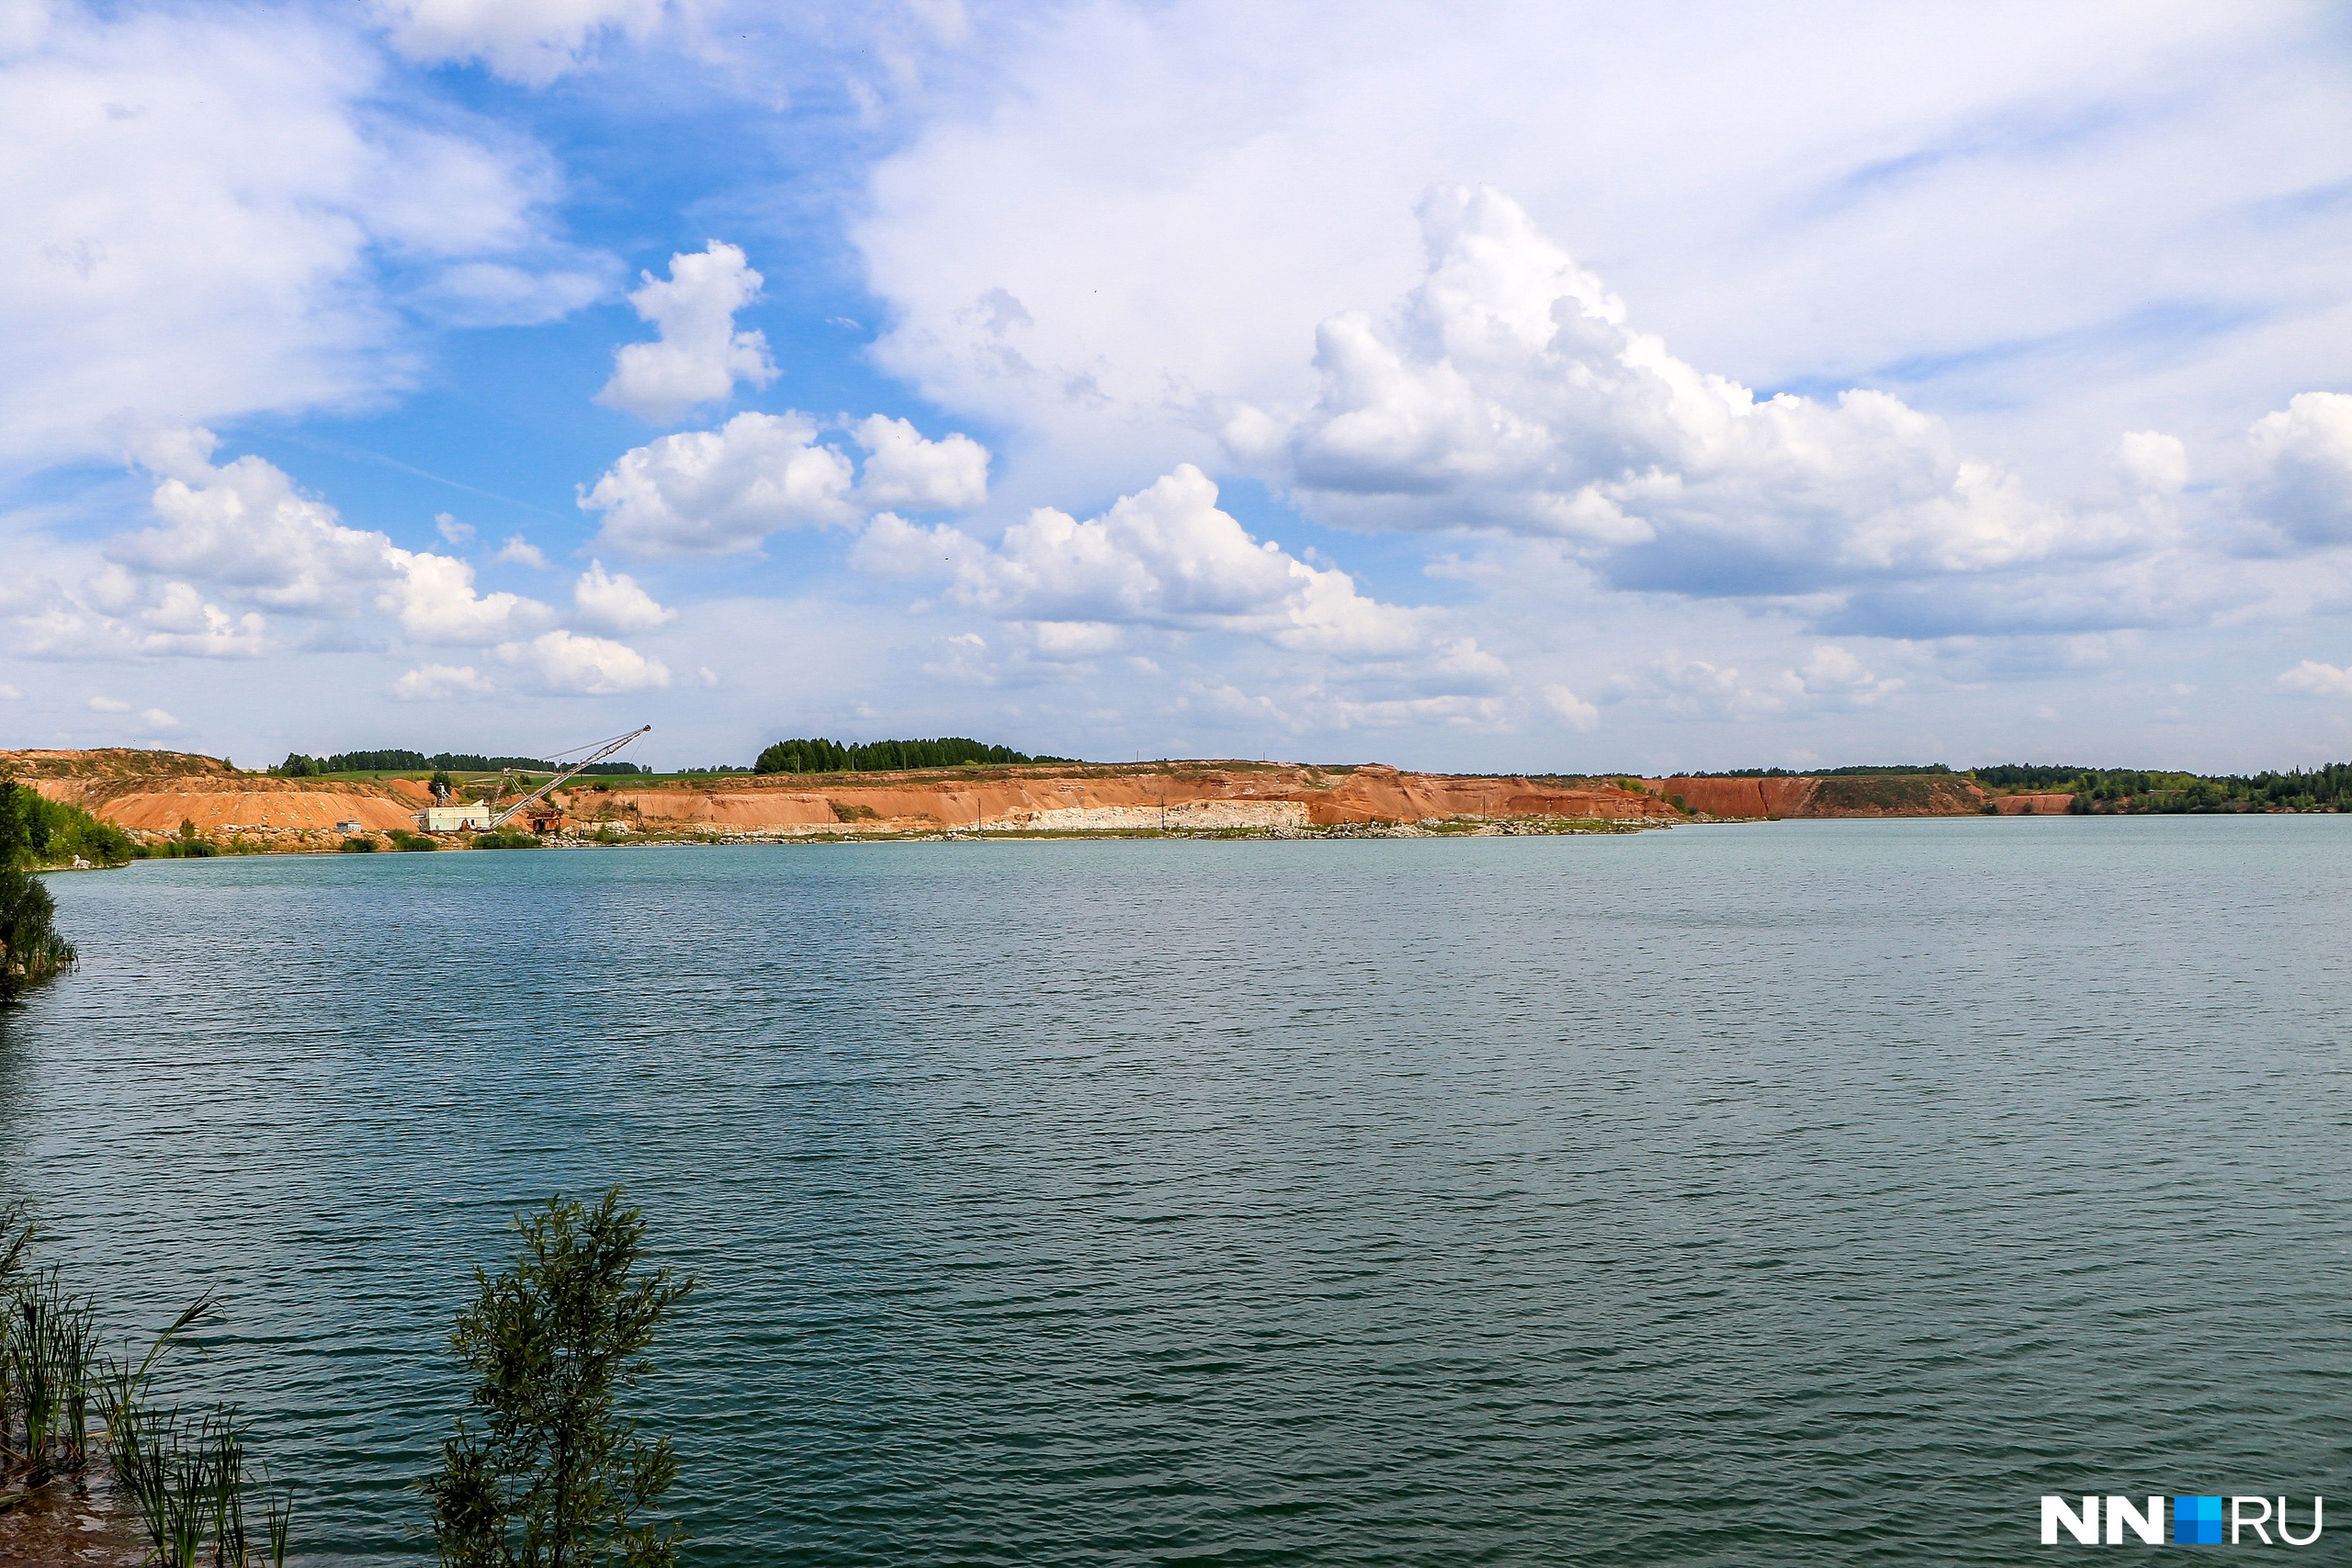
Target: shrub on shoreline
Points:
x,y
555,1474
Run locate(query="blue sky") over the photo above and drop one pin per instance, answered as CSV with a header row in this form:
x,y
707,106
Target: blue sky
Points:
x,y
1551,388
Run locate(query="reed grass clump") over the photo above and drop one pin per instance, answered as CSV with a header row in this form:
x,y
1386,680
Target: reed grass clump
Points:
x,y
189,1479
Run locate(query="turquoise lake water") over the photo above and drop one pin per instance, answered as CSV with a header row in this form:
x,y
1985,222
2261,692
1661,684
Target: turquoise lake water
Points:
x,y
1796,1193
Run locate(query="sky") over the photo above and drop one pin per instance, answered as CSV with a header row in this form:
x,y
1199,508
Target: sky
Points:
x,y
1561,388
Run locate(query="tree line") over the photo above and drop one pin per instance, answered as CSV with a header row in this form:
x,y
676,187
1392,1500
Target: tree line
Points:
x,y
34,832
820,756
2130,790
300,766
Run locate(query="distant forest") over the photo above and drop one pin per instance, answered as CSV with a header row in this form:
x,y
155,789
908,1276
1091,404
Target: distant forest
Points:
x,y
2127,790
297,766
818,756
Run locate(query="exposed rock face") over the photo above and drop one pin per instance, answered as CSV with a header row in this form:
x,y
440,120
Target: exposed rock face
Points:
x,y
2038,805
1180,796
1870,795
153,792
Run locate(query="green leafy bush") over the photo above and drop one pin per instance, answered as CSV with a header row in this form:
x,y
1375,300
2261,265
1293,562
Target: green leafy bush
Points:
x,y
50,832
506,838
555,1473
360,846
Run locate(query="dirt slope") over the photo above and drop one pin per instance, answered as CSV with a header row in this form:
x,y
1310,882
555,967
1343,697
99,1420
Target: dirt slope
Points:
x,y
1182,795
153,792
1874,794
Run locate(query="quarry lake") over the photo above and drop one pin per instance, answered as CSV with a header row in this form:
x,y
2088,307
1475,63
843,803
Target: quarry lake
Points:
x,y
1808,1192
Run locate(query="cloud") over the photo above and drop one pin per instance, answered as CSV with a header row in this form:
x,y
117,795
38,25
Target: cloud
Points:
x,y
614,603
1581,715
435,683
1508,392
1831,677
9,694
721,491
108,704
907,472
1164,557
2302,456
156,719
245,528
700,355
530,42
434,598
452,531
236,543
2314,679
520,551
220,211
568,665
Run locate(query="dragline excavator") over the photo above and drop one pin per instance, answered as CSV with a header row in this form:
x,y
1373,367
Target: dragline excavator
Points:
x,y
500,818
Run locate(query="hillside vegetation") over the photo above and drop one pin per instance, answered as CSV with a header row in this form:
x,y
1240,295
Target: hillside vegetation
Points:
x,y
820,756
36,832
2104,790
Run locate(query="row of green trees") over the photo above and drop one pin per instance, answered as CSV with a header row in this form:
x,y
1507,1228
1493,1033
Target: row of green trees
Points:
x,y
546,1472
2327,788
297,765
34,832
820,756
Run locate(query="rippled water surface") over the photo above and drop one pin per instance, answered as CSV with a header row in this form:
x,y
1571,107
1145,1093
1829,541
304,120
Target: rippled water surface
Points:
x,y
1795,1193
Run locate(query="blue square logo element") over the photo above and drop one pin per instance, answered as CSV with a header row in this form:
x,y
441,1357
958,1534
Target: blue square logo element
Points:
x,y
2197,1521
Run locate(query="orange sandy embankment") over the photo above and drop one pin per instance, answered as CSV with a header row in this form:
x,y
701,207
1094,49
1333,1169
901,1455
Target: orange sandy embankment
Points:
x,y
152,794
1196,796
1875,794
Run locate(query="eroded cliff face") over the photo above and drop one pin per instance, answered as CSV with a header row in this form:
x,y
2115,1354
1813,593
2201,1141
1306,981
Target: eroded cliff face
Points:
x,y
1183,797
154,793
1872,794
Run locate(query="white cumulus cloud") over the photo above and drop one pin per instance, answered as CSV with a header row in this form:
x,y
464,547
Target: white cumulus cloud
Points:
x,y
699,355
1165,557
908,473
242,527
568,665
1581,715
530,42
1509,391
520,551
2304,460
2314,679
612,601
202,202
437,682
435,599
721,491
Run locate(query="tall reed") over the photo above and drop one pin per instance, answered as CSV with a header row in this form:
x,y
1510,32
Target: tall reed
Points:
x,y
189,1481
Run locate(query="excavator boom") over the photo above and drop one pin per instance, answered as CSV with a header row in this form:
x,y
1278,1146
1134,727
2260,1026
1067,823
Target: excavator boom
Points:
x,y
609,747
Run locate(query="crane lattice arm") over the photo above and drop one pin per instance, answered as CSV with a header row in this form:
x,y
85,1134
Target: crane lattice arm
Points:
x,y
609,747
